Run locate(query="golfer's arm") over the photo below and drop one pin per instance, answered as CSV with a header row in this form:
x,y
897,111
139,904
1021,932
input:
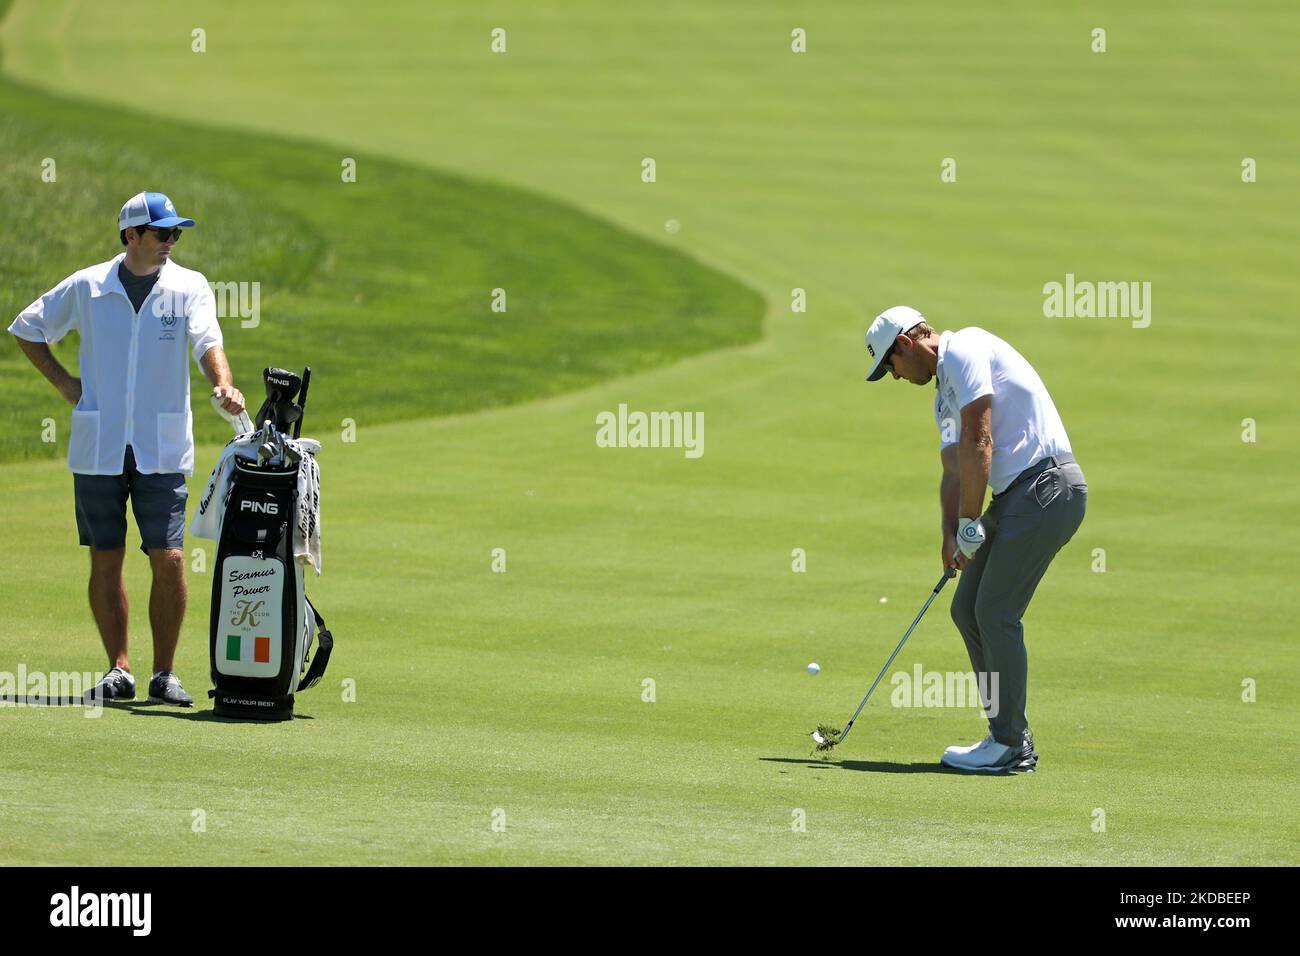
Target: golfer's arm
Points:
x,y
975,455
949,489
40,355
215,366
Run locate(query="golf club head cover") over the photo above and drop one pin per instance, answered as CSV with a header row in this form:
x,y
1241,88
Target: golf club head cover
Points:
x,y
281,388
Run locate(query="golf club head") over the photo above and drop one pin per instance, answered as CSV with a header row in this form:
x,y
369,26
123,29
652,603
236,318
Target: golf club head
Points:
x,y
266,442
825,736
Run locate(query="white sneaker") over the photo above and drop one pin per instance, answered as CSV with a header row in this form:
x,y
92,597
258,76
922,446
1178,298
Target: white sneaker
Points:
x,y
955,749
990,756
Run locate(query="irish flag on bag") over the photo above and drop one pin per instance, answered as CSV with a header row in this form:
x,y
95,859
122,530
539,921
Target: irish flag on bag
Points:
x,y
248,648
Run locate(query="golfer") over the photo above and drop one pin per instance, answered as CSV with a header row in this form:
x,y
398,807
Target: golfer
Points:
x,y
131,430
998,429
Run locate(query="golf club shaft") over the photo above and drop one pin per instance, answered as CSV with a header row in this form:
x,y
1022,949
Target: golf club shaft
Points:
x,y
947,573
302,400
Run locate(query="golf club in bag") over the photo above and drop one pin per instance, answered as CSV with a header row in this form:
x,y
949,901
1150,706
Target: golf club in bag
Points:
x,y
262,623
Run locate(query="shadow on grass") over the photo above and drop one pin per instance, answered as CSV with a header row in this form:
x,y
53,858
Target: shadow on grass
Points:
x,y
881,766
206,716
136,707
41,701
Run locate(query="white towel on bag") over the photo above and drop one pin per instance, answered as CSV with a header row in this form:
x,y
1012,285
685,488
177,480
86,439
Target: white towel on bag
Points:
x,y
306,530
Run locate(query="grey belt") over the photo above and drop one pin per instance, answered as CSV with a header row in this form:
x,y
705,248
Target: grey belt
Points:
x,y
1036,469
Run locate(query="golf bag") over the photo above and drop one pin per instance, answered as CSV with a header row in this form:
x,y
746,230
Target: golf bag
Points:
x,y
263,625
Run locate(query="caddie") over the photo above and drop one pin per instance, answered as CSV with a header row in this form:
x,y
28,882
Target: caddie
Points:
x,y
138,317
999,430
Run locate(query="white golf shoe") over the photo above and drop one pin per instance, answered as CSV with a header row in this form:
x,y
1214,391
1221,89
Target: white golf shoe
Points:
x,y
990,756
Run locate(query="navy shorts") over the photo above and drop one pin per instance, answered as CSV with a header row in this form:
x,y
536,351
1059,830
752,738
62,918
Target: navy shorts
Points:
x,y
157,500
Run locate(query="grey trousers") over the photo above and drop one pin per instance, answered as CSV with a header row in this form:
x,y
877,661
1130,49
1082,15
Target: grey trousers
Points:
x,y
1025,526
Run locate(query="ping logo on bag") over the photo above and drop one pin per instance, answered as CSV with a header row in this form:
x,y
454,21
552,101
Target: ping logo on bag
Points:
x,y
263,507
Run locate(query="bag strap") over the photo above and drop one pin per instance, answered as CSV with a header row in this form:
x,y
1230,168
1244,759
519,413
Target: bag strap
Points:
x,y
321,659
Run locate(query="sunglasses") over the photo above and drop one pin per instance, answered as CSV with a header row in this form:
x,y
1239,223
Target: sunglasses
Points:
x,y
165,235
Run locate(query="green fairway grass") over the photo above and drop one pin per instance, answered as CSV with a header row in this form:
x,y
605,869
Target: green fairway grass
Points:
x,y
385,285
518,696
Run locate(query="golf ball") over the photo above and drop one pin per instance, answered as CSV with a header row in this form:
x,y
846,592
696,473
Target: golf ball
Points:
x,y
814,668
884,600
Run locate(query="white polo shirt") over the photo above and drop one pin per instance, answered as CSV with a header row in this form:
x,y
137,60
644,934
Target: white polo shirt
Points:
x,y
1026,427
135,377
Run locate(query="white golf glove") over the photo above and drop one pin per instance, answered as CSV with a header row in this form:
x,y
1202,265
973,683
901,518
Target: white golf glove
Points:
x,y
970,535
